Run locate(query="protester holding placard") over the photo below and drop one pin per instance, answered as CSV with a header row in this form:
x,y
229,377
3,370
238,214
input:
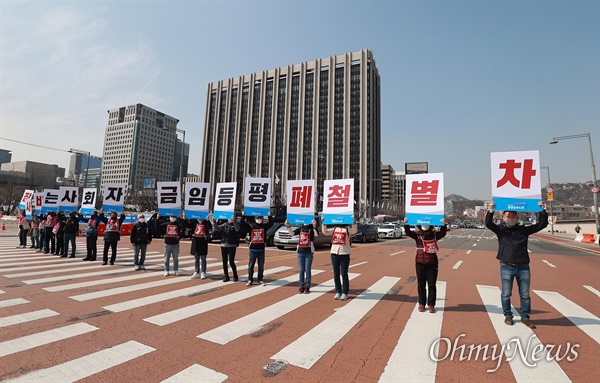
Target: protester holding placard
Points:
x,y
305,252
514,258
59,232
42,229
34,232
112,235
426,261
257,230
230,240
341,248
91,235
23,229
50,240
71,230
140,238
199,247
173,233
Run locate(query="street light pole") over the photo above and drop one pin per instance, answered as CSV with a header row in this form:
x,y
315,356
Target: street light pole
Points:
x,y
549,185
182,157
87,169
593,167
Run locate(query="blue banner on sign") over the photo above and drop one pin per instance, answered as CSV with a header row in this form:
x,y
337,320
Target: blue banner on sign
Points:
x,y
194,214
110,208
338,219
86,212
222,214
257,211
68,209
516,204
300,219
49,209
424,219
169,211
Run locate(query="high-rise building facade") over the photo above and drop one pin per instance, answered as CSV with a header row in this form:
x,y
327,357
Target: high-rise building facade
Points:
x,y
139,143
79,163
317,120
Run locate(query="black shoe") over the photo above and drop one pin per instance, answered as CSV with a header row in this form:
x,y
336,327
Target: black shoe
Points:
x,y
103,263
112,263
63,256
235,279
85,259
92,259
72,256
226,279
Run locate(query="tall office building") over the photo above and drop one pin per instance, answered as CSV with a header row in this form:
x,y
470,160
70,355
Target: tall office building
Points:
x,y
79,163
317,120
139,143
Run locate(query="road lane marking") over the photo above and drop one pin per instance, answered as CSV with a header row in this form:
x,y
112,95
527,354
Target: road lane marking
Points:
x,y
254,321
88,365
13,302
197,373
357,264
41,338
469,251
41,264
546,369
410,359
2,292
169,317
457,265
26,317
474,244
147,300
583,319
399,252
308,349
548,263
593,290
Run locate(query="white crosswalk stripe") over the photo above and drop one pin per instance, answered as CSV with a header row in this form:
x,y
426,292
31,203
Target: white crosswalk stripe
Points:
x,y
13,302
409,361
189,311
546,369
308,349
35,340
147,300
197,373
26,317
252,322
88,365
583,319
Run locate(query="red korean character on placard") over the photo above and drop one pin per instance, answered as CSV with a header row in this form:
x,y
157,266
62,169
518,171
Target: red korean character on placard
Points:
x,y
301,196
424,193
509,173
338,196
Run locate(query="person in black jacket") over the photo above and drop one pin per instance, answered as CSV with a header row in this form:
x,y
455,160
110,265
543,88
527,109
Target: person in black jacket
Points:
x,y
199,247
59,230
70,232
514,258
258,231
229,242
112,235
173,233
140,238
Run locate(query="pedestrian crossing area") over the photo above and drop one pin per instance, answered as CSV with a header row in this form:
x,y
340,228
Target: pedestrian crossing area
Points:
x,y
147,296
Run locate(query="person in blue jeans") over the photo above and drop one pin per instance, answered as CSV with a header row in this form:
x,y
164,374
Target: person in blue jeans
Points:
x,y
306,249
514,258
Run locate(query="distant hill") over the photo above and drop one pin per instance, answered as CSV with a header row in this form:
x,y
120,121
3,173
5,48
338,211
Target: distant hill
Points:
x,y
456,198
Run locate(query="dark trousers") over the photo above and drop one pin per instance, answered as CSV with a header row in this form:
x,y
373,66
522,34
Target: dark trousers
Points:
x,y
340,265
113,247
69,238
22,237
49,241
427,274
92,247
228,254
42,241
60,245
254,256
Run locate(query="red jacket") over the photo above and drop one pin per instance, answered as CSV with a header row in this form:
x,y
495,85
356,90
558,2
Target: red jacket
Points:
x,y
426,242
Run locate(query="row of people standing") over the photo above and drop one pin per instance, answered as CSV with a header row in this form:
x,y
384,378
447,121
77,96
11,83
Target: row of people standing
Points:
x,y
52,233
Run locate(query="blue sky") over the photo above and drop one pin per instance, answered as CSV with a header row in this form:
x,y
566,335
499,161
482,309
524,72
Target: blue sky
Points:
x,y
459,79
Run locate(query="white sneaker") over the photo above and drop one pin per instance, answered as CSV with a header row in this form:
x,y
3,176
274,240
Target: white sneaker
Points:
x,y
176,273
344,297
136,268
249,283
166,274
337,296
195,276
262,283
203,275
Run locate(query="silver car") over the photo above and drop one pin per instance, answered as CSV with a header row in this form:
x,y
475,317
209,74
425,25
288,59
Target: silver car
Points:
x,y
283,239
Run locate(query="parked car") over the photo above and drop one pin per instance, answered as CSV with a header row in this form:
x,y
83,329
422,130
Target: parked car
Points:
x,y
365,233
283,239
389,231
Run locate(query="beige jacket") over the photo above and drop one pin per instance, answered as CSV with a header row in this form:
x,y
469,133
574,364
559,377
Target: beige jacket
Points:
x,y
346,248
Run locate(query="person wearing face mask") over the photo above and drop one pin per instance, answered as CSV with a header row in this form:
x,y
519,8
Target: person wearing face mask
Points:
x,y
257,230
426,261
112,235
49,238
305,252
230,240
173,233
70,232
140,238
199,247
341,248
514,258
91,235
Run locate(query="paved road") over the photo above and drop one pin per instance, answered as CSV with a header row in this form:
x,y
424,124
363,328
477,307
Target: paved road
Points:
x,y
67,320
